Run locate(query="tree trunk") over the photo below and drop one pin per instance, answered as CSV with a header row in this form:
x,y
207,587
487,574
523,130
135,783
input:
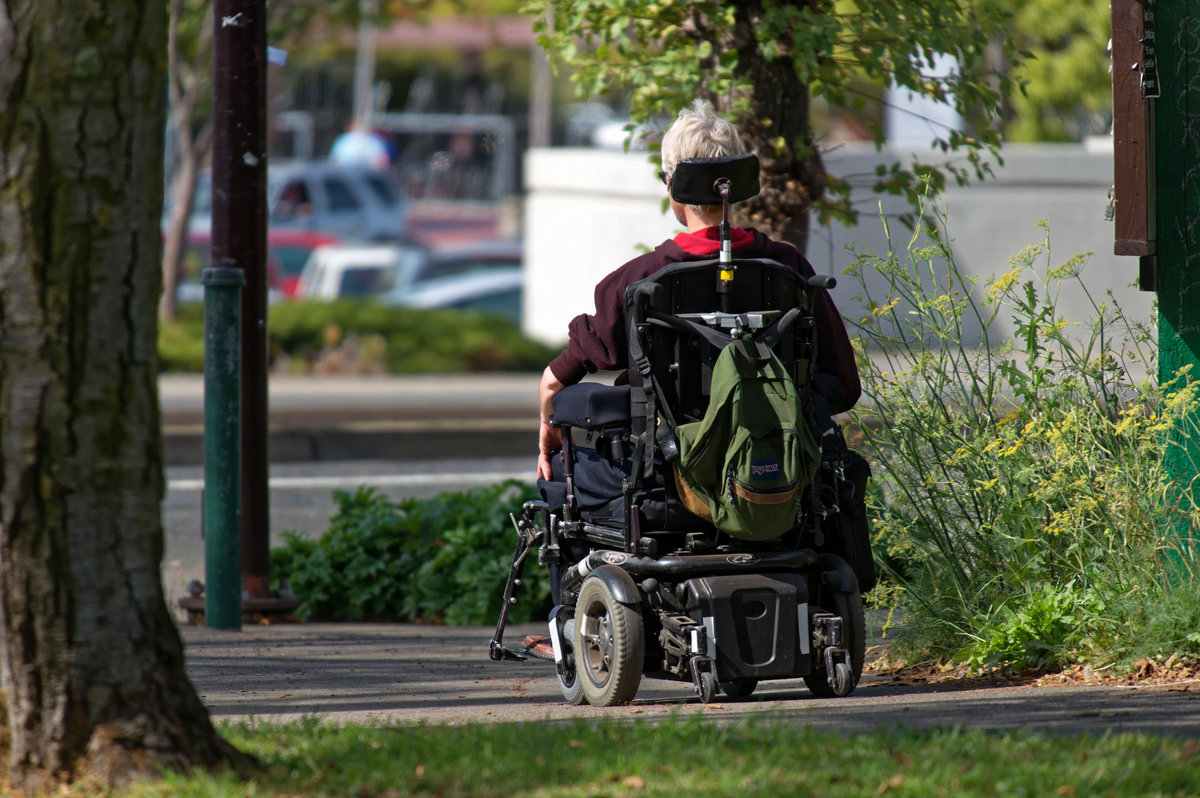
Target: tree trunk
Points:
x,y
192,153
92,662
776,127
175,236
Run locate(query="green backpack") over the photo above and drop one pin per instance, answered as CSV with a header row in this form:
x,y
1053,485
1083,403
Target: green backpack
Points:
x,y
744,465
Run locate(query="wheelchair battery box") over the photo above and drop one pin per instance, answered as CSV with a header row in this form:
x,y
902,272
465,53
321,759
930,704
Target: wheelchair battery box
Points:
x,y
590,405
756,625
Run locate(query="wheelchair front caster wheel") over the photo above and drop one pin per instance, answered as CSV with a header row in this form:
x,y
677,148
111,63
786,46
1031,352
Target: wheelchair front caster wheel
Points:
x,y
849,607
708,687
739,689
568,681
843,679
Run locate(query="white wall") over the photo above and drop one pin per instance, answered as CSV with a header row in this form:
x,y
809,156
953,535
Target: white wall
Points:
x,y
586,210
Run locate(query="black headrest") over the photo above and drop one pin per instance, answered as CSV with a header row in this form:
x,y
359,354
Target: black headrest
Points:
x,y
694,180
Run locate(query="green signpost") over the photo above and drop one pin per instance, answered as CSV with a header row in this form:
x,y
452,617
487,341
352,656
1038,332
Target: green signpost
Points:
x,y
222,447
1172,30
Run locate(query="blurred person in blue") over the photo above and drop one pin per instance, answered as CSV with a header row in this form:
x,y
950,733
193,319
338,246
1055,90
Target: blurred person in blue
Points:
x,y
359,147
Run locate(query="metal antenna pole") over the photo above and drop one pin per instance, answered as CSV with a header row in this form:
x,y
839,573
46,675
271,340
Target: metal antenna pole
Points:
x,y
364,65
239,240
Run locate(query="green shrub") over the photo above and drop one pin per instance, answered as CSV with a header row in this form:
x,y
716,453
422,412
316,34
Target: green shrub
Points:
x,y
413,341
444,559
1024,503
181,343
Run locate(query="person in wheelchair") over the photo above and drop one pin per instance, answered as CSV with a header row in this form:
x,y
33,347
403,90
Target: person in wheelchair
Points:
x,y
702,519
597,342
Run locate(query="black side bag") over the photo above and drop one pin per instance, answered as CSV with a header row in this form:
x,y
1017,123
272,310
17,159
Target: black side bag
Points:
x,y
850,536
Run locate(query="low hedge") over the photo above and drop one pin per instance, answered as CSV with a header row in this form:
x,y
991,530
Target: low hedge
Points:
x,y
439,560
406,340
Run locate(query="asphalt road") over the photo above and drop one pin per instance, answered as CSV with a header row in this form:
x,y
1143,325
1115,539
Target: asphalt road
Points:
x,y
302,499
404,673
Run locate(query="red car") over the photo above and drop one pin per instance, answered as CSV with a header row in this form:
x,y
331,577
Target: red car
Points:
x,y
287,252
289,249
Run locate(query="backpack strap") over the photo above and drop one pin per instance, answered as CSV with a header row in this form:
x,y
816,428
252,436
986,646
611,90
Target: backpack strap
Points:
x,y
656,436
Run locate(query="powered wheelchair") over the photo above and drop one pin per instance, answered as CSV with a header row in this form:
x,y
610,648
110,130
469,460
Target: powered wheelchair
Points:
x,y
643,583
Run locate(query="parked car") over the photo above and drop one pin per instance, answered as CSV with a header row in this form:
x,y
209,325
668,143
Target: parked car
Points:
x,y
358,270
320,197
291,249
477,256
336,200
333,272
495,290
197,256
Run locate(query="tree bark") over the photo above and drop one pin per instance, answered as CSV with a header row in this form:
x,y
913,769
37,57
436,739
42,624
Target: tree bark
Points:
x,y
91,660
777,128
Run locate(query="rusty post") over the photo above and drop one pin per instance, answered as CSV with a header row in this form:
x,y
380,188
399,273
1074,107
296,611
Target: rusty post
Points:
x,y
239,240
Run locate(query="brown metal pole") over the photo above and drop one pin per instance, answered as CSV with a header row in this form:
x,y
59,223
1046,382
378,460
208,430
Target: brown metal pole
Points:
x,y
239,240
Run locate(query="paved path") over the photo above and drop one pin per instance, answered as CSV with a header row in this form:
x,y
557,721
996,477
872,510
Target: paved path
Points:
x,y
402,673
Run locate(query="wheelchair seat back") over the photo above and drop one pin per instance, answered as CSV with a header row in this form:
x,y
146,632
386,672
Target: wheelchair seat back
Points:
x,y
681,363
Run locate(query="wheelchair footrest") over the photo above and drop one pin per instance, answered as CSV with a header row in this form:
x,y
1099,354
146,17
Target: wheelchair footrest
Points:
x,y
500,652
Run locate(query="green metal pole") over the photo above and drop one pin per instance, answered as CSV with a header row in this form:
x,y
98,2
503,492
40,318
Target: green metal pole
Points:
x,y
222,448
1177,115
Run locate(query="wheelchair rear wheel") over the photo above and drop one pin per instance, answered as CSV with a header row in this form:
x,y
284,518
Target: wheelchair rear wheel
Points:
x,y
609,646
849,607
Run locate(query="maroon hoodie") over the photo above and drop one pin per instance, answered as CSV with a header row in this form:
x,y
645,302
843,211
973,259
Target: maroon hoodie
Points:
x,y
598,341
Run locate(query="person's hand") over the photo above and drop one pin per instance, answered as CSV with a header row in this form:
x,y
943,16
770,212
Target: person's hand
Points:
x,y
549,438
550,441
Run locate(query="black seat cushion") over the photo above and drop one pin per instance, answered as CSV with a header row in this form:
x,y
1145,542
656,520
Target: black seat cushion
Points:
x,y
590,405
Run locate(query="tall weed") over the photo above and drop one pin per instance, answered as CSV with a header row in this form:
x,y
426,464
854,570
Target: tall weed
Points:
x,y
1023,504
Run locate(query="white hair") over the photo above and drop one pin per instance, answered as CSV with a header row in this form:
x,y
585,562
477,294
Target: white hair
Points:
x,y
699,133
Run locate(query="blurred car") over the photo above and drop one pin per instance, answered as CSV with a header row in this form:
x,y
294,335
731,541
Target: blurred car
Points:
x,y
497,290
358,270
291,250
343,201
197,256
477,256
319,197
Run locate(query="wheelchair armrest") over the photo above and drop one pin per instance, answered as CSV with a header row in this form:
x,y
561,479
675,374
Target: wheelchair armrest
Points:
x,y
590,405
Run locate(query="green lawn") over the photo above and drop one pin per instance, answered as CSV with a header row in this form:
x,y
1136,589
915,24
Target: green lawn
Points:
x,y
688,757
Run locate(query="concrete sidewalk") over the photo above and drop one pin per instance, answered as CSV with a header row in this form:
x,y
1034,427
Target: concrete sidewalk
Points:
x,y
415,417
408,673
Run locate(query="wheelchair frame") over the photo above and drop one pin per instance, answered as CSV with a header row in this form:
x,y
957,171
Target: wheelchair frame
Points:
x,y
783,608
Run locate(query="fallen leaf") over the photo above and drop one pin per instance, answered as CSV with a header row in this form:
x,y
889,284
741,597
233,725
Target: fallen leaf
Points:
x,y
891,784
634,782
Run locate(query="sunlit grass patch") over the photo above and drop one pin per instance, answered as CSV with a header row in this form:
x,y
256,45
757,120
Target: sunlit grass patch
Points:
x,y
762,756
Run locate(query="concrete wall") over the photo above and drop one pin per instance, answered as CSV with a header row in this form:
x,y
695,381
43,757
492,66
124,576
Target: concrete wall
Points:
x,y
587,210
